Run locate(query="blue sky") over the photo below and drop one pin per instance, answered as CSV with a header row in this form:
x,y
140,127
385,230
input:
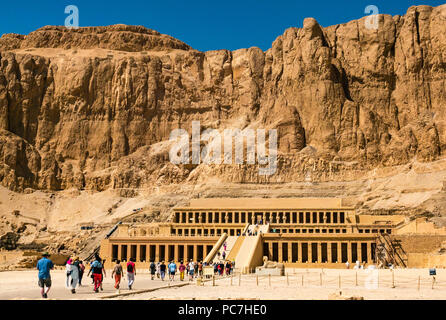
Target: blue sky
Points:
x,y
205,25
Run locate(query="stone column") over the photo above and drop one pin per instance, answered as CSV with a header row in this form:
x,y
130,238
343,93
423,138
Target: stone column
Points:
x,y
339,251
369,252
329,255
290,252
157,252
280,246
349,252
359,251
138,252
119,252
310,252
176,253
319,252
270,251
195,252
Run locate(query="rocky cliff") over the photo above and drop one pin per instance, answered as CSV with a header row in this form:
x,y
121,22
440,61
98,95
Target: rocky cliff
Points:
x,y
93,108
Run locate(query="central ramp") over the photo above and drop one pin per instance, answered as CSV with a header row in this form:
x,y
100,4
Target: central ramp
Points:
x,y
250,254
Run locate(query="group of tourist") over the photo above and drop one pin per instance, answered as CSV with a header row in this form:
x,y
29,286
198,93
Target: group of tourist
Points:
x,y
160,269
75,270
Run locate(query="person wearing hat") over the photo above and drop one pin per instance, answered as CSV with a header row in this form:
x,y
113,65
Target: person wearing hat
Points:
x,y
75,271
44,266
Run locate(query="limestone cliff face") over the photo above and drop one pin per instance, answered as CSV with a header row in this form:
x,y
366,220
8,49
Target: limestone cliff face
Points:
x,y
93,108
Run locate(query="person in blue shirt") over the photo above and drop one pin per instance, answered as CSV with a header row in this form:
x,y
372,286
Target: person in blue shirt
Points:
x,y
172,269
44,266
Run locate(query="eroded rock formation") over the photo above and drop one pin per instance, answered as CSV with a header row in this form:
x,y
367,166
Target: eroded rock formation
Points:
x,y
93,108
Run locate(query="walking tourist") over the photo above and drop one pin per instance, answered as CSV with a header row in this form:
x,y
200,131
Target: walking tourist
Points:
x,y
152,270
162,270
158,270
200,268
224,255
81,272
228,268
131,272
74,274
195,269
172,269
68,272
181,268
191,270
117,273
224,246
97,270
44,266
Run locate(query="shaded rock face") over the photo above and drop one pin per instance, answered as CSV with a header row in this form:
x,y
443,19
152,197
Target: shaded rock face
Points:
x,y
93,108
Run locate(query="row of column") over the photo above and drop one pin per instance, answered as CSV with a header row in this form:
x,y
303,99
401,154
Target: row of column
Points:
x,y
160,252
329,257
257,217
206,231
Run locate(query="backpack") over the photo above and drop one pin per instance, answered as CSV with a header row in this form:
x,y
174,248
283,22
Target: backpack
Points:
x,y
130,268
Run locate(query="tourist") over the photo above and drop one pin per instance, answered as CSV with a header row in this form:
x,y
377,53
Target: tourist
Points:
x,y
131,272
97,270
117,273
200,268
215,268
172,269
223,255
218,255
81,272
191,269
196,269
347,264
74,274
44,266
228,268
162,270
181,268
152,270
158,269
219,269
68,272
224,247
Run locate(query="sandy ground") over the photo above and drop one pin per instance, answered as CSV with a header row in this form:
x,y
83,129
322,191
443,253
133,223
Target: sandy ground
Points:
x,y
17,285
369,286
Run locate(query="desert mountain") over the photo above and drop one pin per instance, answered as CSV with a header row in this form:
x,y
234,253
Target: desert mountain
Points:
x,y
86,114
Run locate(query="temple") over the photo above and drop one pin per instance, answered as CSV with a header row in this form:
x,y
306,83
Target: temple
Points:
x,y
301,233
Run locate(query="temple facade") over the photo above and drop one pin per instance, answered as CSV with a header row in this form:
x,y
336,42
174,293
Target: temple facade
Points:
x,y
301,233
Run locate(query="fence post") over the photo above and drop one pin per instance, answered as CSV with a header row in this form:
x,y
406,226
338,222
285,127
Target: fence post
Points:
x,y
213,280
433,281
419,280
393,279
257,279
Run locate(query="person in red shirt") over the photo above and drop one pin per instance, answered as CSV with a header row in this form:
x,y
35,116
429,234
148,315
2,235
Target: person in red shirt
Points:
x,y
131,272
182,268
